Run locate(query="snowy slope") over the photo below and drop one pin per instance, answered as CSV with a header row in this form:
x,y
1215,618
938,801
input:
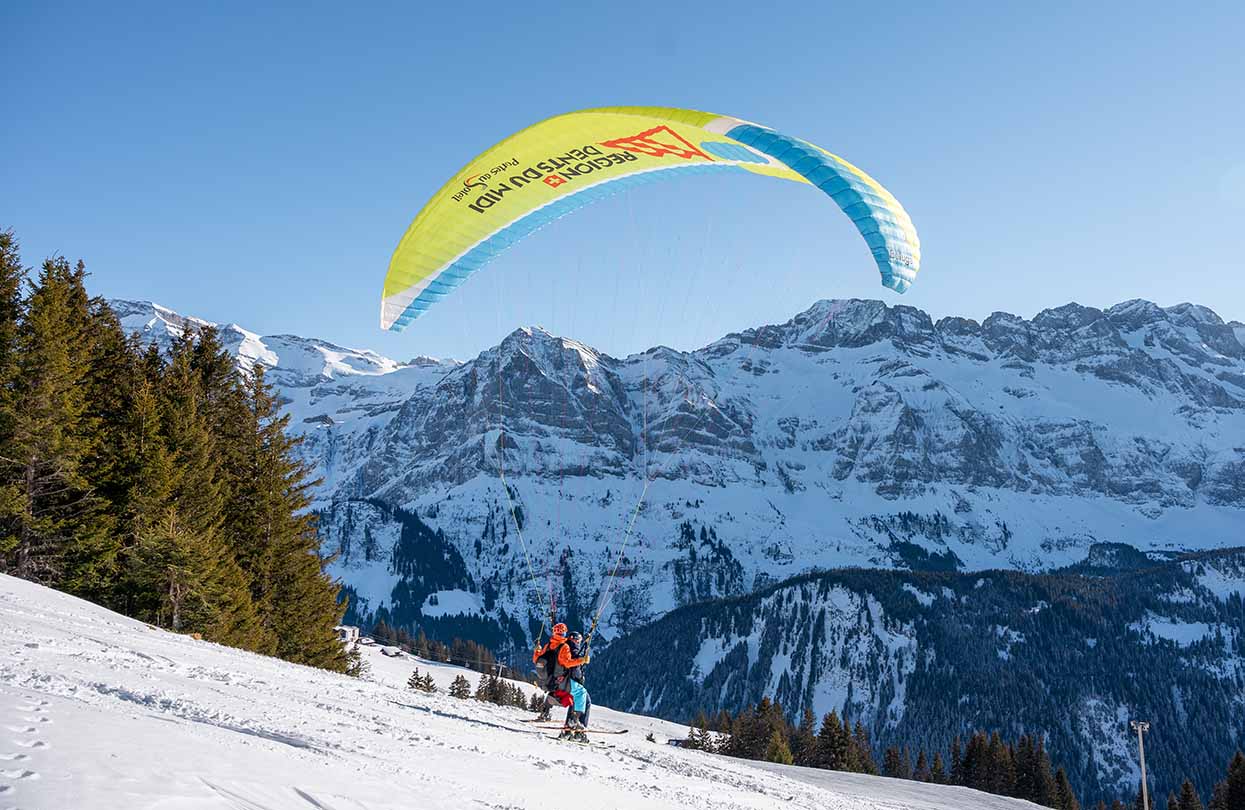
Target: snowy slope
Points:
x,y
98,711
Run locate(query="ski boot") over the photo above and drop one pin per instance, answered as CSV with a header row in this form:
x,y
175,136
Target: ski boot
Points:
x,y
574,729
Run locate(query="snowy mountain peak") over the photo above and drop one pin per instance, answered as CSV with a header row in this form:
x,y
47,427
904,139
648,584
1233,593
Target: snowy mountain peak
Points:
x,y
1068,316
290,356
148,315
1194,314
855,433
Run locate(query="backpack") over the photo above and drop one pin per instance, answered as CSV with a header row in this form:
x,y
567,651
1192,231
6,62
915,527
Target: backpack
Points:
x,y
548,664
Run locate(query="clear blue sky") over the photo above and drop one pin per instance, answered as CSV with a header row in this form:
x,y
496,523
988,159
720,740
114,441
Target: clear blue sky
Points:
x,y
259,166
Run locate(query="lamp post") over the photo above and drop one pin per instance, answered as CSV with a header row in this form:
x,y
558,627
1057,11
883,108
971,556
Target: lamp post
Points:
x,y
1141,727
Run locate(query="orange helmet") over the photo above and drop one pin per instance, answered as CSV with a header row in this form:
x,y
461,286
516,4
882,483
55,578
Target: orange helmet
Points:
x,y
559,629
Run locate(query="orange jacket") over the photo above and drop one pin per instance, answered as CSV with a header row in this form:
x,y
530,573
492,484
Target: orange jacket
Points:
x,y
565,659
541,649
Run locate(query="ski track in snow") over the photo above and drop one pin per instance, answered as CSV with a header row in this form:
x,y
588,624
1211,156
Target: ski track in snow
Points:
x,y
102,712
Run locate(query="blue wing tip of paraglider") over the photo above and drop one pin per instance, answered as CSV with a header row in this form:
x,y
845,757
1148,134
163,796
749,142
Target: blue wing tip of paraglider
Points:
x,y
867,210
897,283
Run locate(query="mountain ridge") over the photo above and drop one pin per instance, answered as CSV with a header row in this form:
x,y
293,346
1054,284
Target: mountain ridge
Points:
x,y
911,654
855,433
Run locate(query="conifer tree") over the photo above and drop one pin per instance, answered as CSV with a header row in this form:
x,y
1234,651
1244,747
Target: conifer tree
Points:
x,y
1189,800
1065,798
700,736
460,688
938,771
862,751
905,763
416,681
145,474
127,432
356,666
172,564
220,383
274,533
152,364
1219,797
226,612
1025,759
832,743
59,532
1001,768
1230,793
976,763
734,745
777,750
1044,790
804,742
922,772
112,382
12,283
890,763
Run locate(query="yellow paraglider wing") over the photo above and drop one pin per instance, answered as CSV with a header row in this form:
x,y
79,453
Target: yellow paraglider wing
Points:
x,y
563,163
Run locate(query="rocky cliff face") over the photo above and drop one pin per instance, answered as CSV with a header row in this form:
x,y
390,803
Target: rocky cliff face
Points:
x,y
854,434
922,657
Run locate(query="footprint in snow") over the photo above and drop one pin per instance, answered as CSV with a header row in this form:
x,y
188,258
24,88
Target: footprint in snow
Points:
x,y
14,757
23,729
31,743
20,774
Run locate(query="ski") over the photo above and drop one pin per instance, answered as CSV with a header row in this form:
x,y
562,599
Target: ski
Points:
x,y
588,730
584,743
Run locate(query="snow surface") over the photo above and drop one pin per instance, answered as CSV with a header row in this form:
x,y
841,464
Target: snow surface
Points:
x,y
453,603
1182,633
921,596
98,711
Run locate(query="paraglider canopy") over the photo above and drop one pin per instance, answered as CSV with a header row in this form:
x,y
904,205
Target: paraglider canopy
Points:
x,y
563,163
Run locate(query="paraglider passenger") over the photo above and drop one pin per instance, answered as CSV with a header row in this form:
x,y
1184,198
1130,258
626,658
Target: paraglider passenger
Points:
x,y
581,702
557,660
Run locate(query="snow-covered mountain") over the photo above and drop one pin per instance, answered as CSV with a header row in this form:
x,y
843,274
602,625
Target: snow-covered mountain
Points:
x,y
854,434
102,712
922,656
